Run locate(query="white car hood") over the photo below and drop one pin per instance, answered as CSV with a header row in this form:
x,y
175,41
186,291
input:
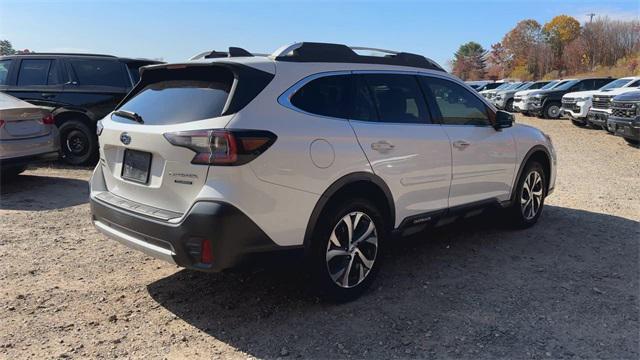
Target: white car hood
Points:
x,y
525,92
579,94
617,91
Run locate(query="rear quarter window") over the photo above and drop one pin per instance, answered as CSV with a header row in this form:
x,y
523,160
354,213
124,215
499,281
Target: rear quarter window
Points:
x,y
326,96
99,72
4,71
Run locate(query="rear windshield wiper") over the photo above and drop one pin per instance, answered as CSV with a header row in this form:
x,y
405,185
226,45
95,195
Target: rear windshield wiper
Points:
x,y
129,115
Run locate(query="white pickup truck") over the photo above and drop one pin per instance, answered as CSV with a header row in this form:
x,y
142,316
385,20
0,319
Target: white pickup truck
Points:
x,y
601,103
576,105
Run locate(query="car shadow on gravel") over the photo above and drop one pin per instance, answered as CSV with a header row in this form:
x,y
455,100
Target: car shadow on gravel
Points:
x,y
565,288
38,193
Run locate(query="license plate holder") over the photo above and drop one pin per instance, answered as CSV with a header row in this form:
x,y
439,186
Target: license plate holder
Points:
x,y
136,166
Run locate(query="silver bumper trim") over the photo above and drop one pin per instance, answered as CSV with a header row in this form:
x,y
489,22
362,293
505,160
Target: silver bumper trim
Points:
x,y
135,243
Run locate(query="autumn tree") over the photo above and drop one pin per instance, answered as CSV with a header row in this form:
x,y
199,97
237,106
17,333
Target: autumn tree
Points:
x,y
6,48
469,61
559,32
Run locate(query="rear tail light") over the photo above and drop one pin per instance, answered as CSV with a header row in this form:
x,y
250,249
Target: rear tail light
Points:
x,y
206,254
48,120
1,123
223,147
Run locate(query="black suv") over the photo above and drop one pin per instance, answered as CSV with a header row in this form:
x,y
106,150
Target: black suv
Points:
x,y
82,89
547,103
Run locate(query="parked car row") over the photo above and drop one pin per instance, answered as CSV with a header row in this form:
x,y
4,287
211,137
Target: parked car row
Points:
x,y
589,102
76,89
603,103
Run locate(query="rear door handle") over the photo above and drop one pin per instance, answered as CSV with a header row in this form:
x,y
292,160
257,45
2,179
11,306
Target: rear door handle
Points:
x,y
48,95
382,146
460,144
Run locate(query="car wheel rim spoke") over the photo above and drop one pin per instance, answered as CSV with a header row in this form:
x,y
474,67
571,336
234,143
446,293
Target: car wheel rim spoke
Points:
x,y
352,249
531,196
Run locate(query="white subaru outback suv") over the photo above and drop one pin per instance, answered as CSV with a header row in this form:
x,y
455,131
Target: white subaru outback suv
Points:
x,y
316,149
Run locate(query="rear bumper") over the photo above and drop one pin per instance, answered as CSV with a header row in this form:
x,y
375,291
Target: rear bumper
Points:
x,y
177,238
234,237
29,159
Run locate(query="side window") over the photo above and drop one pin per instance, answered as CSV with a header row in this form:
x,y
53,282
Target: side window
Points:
x,y
601,82
98,72
398,98
456,104
582,85
34,72
363,106
53,78
4,71
326,96
633,84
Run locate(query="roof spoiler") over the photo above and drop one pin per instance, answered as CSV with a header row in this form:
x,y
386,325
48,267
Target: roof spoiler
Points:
x,y
231,52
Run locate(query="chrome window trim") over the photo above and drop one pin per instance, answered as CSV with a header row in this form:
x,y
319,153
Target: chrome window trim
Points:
x,y
285,98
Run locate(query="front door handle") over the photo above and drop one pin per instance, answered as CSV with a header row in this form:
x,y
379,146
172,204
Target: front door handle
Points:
x,y
460,144
382,146
48,95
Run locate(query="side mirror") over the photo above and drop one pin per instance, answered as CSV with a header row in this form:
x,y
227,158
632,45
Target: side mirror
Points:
x,y
504,120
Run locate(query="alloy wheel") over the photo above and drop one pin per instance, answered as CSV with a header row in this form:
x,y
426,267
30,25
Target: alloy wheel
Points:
x,y
554,111
531,196
352,249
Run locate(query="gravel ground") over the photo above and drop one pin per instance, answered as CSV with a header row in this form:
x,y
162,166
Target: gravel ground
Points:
x,y
566,288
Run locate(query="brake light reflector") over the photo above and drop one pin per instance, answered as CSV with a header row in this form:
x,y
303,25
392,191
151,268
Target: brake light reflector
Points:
x,y
48,120
223,147
206,254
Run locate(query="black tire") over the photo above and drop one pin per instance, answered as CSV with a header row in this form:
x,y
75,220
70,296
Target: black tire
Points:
x,y
551,110
11,172
633,142
578,123
78,142
509,105
519,213
323,283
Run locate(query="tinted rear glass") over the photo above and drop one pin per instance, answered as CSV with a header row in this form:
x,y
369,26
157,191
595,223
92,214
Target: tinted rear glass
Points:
x,y
4,71
326,96
181,98
33,72
98,72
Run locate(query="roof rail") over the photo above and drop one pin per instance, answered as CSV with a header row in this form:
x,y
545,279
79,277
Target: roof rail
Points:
x,y
326,52
62,54
232,52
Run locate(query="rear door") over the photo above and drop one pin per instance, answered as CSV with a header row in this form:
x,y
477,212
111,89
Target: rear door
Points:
x,y
96,84
409,152
39,80
483,158
138,161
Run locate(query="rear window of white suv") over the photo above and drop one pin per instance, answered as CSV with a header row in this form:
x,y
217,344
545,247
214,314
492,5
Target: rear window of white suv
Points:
x,y
180,98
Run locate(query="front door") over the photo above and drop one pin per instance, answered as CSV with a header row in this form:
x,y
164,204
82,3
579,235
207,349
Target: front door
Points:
x,y
484,159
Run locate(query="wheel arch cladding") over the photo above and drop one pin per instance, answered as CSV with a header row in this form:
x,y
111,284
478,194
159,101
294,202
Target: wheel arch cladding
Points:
x,y
65,116
361,184
540,154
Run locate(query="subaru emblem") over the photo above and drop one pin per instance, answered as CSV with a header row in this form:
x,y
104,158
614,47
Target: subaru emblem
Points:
x,y
125,138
